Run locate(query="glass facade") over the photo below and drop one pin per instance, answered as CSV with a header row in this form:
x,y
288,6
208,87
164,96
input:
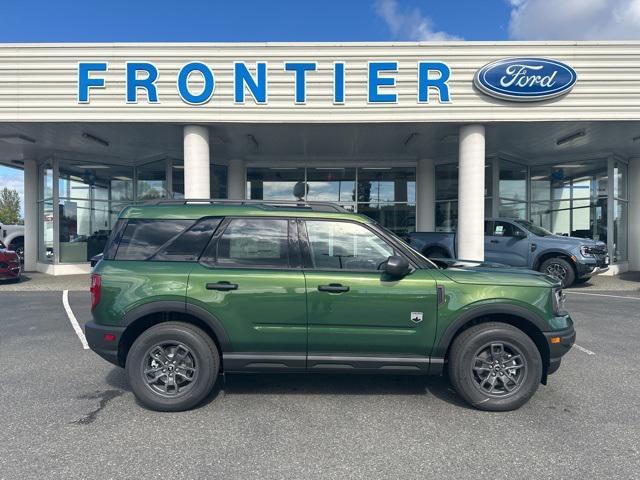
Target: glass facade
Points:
x,y
386,194
79,201
572,198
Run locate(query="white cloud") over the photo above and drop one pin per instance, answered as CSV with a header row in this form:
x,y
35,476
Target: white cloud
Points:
x,y
409,24
574,19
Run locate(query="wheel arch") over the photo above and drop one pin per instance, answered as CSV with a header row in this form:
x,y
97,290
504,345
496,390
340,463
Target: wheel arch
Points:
x,y
145,316
544,256
519,317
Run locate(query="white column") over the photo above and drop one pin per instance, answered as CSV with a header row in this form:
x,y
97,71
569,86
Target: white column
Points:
x,y
471,193
634,214
30,215
425,196
196,162
237,180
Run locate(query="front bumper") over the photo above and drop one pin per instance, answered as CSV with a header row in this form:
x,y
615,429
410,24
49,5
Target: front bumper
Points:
x,y
590,266
10,273
560,342
107,349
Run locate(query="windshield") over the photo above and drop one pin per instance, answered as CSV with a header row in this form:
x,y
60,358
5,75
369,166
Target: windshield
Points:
x,y
535,229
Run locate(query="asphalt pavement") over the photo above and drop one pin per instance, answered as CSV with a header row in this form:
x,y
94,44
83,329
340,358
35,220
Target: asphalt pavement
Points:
x,y
66,413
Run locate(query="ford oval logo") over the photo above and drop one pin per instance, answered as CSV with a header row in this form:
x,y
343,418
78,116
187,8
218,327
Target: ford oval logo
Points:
x,y
525,79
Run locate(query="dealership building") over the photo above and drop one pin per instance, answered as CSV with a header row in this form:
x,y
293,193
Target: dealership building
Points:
x,y
419,136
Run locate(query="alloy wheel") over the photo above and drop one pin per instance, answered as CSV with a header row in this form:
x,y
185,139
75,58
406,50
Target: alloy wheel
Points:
x,y
557,271
499,369
169,369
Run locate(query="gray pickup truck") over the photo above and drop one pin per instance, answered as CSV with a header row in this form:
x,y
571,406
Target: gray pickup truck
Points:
x,y
520,243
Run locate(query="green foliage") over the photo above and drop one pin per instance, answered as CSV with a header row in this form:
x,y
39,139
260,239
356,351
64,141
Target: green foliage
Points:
x,y
9,206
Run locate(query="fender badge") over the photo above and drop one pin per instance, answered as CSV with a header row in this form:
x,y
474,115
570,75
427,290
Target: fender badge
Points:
x,y
416,317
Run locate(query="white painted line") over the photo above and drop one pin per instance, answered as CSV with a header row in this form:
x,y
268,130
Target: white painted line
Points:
x,y
582,349
73,320
603,295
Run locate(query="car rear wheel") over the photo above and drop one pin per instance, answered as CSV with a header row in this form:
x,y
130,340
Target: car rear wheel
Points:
x,y
172,367
495,366
559,268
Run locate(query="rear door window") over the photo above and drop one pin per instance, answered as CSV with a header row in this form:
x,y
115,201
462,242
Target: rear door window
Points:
x,y
142,239
189,245
252,242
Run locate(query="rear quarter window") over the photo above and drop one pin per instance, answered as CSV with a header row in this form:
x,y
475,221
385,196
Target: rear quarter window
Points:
x,y
142,239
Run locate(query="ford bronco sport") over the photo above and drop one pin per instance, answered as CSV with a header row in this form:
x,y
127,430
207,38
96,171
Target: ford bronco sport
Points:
x,y
188,290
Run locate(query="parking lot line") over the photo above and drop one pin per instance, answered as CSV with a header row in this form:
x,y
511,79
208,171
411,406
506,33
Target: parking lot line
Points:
x,y
582,349
604,295
73,320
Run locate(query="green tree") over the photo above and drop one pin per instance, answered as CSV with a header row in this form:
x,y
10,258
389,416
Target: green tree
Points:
x,y
9,206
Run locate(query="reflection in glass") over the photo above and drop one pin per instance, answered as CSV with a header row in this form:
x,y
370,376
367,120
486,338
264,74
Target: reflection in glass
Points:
x,y
620,233
276,183
331,184
152,180
396,184
400,218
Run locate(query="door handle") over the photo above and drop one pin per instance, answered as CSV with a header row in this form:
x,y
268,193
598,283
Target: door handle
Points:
x,y
494,241
222,286
333,288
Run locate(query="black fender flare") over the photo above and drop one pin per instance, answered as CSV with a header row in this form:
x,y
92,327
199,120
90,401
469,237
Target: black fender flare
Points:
x,y
535,265
176,306
441,348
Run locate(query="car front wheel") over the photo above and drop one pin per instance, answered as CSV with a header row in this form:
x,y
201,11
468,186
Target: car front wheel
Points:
x,y
495,366
172,367
559,268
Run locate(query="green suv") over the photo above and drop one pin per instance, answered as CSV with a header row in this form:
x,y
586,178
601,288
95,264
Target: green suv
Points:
x,y
186,291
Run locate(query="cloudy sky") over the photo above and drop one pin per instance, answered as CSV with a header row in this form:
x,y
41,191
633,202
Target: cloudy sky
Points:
x,y
325,20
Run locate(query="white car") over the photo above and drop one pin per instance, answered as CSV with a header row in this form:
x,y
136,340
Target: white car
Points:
x,y
13,237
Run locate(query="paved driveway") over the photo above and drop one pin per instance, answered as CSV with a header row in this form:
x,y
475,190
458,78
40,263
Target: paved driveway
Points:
x,y
68,414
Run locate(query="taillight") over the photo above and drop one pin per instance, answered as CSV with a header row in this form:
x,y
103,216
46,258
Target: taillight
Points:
x,y
96,283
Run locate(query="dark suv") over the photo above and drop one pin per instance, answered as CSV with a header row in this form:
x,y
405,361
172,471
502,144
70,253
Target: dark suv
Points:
x,y
187,291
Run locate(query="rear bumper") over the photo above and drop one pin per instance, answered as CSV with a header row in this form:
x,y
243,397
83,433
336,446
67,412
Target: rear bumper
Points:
x,y
560,348
107,349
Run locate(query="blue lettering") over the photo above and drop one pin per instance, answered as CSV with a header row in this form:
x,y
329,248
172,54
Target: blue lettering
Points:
x,y
148,82
183,83
376,81
440,83
85,82
300,80
338,82
257,88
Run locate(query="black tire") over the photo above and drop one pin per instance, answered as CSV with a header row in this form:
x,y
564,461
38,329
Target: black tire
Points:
x,y
581,281
559,268
467,374
201,362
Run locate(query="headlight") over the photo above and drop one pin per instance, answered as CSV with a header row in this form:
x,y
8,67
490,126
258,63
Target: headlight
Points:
x,y
586,251
558,301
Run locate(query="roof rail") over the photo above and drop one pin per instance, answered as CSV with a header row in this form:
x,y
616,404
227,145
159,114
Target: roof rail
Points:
x,y
314,206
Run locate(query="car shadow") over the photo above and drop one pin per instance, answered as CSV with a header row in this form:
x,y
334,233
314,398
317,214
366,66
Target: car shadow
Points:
x,y
319,384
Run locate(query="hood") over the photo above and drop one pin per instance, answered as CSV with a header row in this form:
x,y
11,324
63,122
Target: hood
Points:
x,y
577,241
473,272
8,255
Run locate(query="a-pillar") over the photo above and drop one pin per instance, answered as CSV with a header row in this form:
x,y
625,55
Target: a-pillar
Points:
x,y
196,162
470,232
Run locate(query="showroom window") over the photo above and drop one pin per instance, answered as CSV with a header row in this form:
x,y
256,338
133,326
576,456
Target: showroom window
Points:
x,y
386,194
512,189
446,185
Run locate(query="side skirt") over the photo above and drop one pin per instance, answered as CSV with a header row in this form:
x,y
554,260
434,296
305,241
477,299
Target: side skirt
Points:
x,y
299,362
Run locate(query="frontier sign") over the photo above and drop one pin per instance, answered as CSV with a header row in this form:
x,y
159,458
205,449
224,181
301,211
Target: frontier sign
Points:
x,y
432,81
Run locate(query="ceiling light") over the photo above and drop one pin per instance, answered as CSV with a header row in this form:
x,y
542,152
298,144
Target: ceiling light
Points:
x,y
253,140
570,165
95,139
410,139
571,138
124,179
376,168
540,177
92,167
17,139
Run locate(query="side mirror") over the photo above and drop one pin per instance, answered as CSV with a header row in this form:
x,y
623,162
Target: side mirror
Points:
x,y
397,267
